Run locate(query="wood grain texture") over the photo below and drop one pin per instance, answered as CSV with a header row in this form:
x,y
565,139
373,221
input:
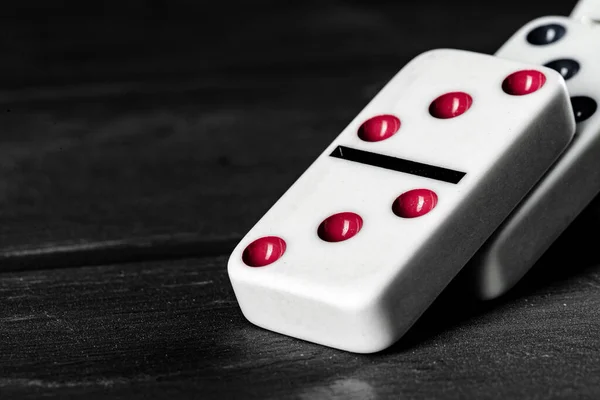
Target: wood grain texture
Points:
x,y
163,130
167,121
174,329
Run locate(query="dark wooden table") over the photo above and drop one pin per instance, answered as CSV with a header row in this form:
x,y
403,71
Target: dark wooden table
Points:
x,y
139,142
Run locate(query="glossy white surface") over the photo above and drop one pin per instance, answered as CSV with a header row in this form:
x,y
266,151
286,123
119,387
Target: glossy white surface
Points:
x,y
587,11
363,294
567,187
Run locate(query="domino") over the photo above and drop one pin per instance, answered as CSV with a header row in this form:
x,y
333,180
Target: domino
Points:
x,y
370,234
573,181
587,11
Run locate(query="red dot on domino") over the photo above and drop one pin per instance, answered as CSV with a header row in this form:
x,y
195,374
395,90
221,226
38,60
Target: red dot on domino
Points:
x,y
415,203
340,227
379,128
523,82
451,105
264,251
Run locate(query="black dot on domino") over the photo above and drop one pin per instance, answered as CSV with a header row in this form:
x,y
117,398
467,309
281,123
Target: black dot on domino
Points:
x,y
546,34
583,107
566,67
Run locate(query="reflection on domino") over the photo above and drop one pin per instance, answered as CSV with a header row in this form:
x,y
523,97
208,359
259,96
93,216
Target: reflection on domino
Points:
x,y
363,242
587,11
570,48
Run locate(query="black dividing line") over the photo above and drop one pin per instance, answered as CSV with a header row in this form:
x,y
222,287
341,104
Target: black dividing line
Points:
x,y
398,164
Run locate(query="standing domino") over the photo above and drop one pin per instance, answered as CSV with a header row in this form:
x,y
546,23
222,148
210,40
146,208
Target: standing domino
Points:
x,y
587,11
571,48
364,241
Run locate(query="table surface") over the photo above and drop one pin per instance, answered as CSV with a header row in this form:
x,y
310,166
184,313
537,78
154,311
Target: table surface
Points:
x,y
141,141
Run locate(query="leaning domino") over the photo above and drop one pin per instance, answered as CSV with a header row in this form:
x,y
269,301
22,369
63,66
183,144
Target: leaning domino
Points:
x,y
587,11
364,241
571,48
